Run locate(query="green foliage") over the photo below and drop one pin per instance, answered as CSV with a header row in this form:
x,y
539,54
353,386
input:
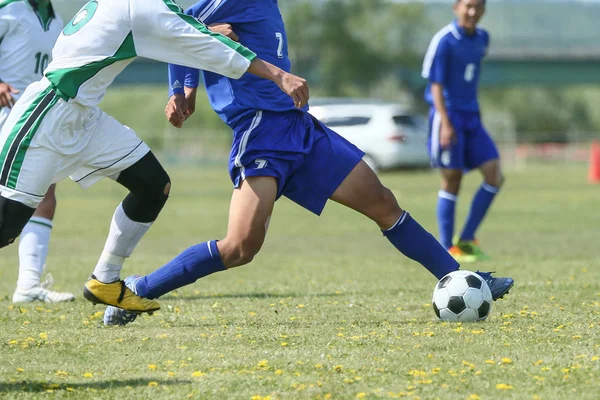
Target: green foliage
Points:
x,y
546,114
359,42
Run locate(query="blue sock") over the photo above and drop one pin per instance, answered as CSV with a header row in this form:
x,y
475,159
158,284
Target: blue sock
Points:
x,y
445,215
412,240
192,264
481,203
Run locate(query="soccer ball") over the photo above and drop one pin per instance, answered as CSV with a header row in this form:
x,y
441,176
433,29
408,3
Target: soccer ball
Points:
x,y
462,296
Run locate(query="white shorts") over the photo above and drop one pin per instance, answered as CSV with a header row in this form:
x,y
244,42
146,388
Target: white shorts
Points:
x,y
46,139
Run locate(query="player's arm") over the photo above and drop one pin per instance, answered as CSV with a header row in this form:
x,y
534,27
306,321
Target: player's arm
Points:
x,y
6,90
435,69
183,81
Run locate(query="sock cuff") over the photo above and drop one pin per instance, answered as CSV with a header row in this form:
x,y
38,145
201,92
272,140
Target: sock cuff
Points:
x,y
400,221
41,221
442,194
214,253
489,188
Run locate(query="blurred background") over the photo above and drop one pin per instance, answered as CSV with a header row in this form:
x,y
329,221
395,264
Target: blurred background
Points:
x,y
539,92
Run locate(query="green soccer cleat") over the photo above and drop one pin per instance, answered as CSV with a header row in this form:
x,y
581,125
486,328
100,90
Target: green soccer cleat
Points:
x,y
472,249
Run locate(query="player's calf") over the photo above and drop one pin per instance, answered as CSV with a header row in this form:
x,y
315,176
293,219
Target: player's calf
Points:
x,y
13,218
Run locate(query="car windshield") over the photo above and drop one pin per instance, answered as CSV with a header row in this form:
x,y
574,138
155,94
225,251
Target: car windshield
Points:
x,y
415,123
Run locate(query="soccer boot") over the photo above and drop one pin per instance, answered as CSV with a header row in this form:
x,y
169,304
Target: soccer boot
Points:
x,y
42,293
117,294
498,286
118,316
459,255
472,248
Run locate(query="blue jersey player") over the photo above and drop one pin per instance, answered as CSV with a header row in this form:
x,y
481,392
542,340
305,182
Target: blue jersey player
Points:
x,y
278,150
458,142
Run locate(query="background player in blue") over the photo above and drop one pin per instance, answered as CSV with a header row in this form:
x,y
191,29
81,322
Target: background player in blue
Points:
x,y
278,149
458,142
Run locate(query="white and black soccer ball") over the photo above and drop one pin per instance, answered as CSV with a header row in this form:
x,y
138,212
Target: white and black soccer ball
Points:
x,y
462,296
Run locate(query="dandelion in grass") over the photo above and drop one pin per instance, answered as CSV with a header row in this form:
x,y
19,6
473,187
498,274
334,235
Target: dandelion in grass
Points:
x,y
152,384
503,386
88,374
152,367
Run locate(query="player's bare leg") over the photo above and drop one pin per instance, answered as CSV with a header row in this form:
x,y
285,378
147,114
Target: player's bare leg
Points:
x,y
482,200
249,212
362,191
33,248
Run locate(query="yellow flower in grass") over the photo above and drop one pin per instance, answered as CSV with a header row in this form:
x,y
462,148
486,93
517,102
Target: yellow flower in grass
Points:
x,y
152,367
595,358
20,370
152,384
61,373
44,336
506,360
338,368
361,395
474,397
503,386
198,374
88,374
538,362
278,372
490,362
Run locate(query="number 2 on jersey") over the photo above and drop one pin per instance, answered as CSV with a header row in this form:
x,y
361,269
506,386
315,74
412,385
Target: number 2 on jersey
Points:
x,y
279,37
41,62
470,72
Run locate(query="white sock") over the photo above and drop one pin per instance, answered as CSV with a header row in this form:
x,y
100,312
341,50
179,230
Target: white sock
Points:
x,y
123,237
33,249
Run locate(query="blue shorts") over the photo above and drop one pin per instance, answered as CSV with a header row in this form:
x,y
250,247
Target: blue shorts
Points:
x,y
473,146
308,160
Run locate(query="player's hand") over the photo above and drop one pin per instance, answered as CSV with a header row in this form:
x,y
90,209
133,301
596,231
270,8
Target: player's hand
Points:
x,y
6,92
176,109
225,30
296,88
447,135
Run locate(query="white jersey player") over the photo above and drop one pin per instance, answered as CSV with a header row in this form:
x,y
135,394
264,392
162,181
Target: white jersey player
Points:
x,y
28,30
56,129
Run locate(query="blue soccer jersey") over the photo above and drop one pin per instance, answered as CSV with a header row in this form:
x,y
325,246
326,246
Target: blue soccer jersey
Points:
x,y
259,25
453,60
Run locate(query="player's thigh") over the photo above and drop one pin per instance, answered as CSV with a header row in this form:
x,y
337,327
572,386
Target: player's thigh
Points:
x,y
362,191
249,213
47,207
112,149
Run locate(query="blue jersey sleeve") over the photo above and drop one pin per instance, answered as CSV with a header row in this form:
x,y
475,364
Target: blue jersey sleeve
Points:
x,y
438,71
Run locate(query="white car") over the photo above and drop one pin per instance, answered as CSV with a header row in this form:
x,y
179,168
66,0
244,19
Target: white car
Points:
x,y
391,135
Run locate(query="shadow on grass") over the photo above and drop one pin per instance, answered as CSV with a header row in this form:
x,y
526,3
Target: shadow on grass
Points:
x,y
41,386
273,295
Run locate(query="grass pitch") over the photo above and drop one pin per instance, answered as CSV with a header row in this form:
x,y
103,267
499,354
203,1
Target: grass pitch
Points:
x,y
327,310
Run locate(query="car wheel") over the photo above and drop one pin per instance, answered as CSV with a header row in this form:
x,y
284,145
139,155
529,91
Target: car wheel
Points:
x,y
371,162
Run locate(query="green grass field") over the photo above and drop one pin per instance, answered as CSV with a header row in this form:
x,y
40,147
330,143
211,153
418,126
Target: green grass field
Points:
x,y
327,310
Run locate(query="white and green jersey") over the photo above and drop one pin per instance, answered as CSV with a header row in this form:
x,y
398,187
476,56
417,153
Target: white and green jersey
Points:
x,y
106,35
26,42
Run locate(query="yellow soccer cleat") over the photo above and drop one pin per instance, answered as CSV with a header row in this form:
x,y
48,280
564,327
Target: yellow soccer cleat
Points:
x,y
462,257
118,295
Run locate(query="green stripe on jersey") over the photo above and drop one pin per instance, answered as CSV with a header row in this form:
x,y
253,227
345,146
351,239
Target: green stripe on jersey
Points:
x,y
4,3
20,157
67,81
15,130
243,51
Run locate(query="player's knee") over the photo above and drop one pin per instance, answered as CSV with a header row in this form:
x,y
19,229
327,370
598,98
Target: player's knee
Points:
x,y
384,207
13,218
239,252
47,207
149,186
